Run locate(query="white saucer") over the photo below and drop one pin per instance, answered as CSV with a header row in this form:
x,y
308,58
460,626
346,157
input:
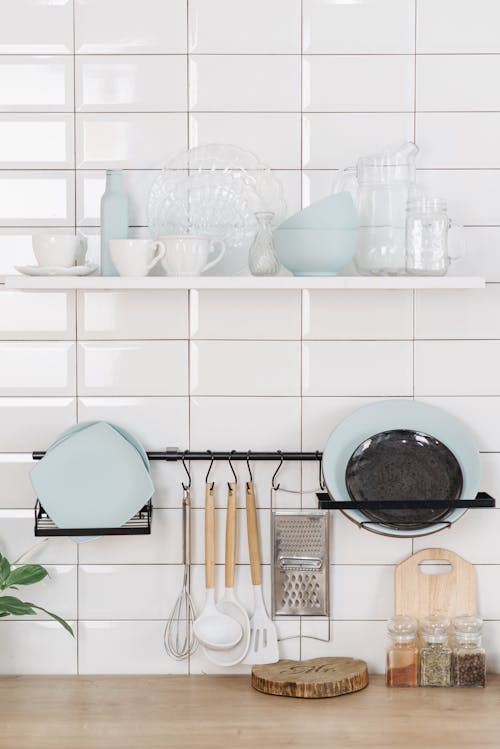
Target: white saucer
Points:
x,y
48,270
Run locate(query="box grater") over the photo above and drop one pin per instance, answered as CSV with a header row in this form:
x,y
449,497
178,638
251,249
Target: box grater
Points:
x,y
300,563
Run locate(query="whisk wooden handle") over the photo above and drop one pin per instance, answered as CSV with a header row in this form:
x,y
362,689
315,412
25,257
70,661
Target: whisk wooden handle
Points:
x,y
253,535
230,536
209,536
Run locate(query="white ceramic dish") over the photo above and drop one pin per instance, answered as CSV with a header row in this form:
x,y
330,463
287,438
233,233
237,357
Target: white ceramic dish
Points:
x,y
47,270
399,414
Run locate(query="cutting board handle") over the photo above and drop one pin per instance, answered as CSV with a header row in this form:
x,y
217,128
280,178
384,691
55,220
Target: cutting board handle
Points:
x,y
418,594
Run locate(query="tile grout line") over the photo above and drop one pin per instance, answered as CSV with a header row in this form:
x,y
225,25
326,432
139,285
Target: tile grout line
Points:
x,y
75,301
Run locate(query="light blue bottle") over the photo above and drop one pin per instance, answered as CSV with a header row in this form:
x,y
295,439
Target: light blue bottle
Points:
x,y
114,218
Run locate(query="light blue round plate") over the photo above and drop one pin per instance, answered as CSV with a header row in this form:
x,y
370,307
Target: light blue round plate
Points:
x,y
85,424
399,414
94,475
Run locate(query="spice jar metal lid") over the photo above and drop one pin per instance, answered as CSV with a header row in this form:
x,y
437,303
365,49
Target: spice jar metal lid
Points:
x,y
435,628
468,627
402,628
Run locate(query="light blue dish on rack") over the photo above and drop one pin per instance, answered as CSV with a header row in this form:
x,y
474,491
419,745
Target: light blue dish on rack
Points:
x,y
321,239
93,477
399,414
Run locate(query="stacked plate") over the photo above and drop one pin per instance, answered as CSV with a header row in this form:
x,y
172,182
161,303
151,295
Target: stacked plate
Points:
x,y
95,475
401,450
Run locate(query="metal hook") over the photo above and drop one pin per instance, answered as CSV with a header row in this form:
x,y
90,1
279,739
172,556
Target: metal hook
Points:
x,y
322,484
232,469
248,466
210,468
277,486
188,485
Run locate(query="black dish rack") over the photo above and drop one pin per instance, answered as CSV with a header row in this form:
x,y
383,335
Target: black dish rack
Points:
x,y
141,523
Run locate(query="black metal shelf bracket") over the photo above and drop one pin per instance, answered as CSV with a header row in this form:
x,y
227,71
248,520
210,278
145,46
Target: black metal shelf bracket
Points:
x,y
325,502
139,525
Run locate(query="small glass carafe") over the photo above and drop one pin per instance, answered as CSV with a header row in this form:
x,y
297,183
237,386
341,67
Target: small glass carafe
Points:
x,y
262,258
469,657
402,654
427,228
435,655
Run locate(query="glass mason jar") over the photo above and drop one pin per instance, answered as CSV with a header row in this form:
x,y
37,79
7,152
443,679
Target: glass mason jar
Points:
x,y
469,658
435,655
427,227
402,654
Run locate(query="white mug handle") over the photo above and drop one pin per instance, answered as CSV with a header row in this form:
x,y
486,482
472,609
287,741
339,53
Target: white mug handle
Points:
x,y
214,243
160,252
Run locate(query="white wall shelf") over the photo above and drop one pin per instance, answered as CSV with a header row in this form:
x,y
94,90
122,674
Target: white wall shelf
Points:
x,y
242,282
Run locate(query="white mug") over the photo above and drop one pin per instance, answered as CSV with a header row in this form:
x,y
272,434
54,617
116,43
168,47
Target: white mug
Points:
x,y
59,250
187,255
135,257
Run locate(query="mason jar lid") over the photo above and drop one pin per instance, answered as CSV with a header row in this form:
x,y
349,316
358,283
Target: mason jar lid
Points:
x,y
426,204
402,628
468,627
435,628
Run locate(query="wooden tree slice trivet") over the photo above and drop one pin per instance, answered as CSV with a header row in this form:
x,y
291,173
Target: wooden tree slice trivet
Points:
x,y
319,677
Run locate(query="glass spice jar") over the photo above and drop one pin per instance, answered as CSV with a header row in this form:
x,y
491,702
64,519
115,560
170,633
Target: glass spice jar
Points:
x,y
469,658
402,654
435,655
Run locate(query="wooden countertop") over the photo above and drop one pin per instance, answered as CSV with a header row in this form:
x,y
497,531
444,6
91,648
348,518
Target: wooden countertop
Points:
x,y
214,712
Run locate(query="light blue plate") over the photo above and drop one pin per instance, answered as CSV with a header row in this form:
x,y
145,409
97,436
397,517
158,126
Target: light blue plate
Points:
x,y
85,424
92,478
399,414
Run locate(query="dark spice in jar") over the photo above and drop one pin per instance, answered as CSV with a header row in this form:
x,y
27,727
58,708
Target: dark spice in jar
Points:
x,y
469,669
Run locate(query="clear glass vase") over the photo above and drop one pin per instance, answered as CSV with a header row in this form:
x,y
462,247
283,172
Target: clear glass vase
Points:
x,y
262,258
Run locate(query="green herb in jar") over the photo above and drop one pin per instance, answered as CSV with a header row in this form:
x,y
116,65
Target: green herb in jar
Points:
x,y
435,655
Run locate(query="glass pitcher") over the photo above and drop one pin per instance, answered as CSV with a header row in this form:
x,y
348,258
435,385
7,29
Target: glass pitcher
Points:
x,y
382,185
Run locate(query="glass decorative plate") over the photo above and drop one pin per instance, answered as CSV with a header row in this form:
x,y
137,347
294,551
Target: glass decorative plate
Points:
x,y
215,190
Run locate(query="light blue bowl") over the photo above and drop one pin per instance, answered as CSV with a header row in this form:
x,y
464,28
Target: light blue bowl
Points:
x,y
336,211
315,252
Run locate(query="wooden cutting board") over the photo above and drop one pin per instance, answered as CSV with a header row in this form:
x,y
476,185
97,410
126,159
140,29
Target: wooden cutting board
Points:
x,y
319,677
419,594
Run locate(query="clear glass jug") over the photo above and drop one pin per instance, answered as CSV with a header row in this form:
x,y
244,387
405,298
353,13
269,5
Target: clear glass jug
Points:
x,y
381,186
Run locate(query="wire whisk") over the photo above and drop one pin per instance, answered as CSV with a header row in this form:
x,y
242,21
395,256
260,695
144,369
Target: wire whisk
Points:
x,y
180,641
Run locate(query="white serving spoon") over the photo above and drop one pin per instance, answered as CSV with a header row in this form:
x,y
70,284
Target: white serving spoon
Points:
x,y
214,629
229,603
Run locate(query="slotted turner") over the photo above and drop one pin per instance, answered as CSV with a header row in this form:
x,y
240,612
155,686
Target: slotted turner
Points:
x,y
263,638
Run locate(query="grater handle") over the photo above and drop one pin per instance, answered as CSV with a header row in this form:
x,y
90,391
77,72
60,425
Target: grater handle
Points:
x,y
209,536
304,563
253,535
230,535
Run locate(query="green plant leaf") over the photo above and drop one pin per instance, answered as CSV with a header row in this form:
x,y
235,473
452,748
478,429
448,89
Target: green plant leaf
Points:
x,y
61,621
28,574
12,605
4,572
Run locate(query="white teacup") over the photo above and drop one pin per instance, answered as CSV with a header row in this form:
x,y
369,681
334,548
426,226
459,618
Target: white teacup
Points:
x,y
187,255
135,257
59,250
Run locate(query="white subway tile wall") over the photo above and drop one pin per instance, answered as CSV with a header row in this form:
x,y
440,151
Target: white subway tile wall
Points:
x,y
308,85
